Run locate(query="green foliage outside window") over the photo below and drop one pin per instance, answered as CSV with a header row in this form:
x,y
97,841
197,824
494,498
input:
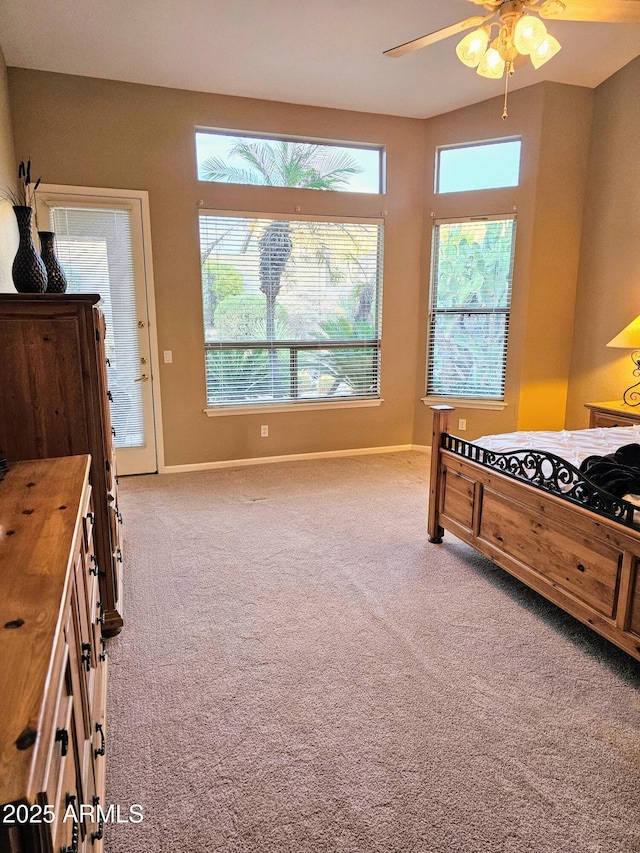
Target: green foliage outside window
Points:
x,y
299,260
471,294
218,282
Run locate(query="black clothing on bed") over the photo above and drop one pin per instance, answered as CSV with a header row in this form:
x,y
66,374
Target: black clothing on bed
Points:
x,y
617,473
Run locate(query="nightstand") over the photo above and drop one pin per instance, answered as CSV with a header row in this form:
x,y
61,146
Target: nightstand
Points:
x,y
614,414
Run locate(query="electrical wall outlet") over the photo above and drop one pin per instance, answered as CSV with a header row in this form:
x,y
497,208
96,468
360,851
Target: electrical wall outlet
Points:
x,y
462,424
168,356
264,431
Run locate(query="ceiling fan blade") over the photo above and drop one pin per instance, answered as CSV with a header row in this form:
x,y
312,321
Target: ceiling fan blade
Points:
x,y
438,35
613,11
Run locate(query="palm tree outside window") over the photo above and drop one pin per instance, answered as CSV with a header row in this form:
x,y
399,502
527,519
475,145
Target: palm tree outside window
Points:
x,y
292,305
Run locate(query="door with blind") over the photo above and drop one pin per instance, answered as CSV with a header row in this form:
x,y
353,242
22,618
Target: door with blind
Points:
x,y
100,243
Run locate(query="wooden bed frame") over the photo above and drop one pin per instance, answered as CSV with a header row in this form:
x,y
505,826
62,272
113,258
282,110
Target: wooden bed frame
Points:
x,y
580,547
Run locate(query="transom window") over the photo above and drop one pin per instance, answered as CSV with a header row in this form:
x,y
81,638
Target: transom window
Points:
x,y
471,276
478,166
282,162
292,308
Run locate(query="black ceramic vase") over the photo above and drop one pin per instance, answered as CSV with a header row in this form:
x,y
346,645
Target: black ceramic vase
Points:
x,y
29,272
56,282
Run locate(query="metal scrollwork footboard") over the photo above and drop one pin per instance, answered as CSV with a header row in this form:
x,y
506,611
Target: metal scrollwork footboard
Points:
x,y
550,473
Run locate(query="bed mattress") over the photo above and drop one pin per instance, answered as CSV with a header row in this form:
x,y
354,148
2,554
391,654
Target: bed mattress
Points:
x,y
571,445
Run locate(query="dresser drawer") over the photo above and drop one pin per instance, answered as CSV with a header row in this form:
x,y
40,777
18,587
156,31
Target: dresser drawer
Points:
x,y
604,419
58,749
65,829
58,780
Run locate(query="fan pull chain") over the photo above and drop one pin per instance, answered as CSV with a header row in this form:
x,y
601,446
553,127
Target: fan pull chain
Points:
x,y
510,71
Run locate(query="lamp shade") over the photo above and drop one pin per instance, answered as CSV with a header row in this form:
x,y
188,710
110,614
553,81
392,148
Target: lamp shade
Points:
x,y
529,32
492,65
473,46
629,337
547,48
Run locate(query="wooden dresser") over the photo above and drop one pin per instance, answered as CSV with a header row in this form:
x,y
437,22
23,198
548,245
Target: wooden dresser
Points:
x,y
54,402
53,669
614,414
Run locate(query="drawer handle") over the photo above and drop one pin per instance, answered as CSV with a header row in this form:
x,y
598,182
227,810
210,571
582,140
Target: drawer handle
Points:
x,y
113,432
119,516
100,731
103,653
62,735
110,396
91,517
100,620
86,656
119,555
93,569
73,847
96,836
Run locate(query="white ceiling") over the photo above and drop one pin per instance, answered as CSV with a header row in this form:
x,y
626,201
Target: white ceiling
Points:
x,y
318,52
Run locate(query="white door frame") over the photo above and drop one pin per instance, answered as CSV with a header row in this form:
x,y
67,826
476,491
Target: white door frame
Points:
x,y
140,198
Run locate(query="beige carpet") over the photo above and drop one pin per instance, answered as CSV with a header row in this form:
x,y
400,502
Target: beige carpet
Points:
x,y
302,672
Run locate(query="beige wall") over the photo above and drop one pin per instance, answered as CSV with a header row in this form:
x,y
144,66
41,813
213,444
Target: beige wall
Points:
x,y
609,275
553,121
8,229
89,132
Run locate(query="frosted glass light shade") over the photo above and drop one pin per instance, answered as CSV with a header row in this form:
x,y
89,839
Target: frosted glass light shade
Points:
x,y
547,48
629,337
529,33
473,46
492,65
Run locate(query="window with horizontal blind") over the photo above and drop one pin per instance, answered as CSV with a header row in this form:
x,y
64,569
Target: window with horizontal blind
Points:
x,y
471,278
292,308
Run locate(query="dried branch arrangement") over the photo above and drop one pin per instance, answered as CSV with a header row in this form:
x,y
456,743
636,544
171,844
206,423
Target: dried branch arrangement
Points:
x,y
25,194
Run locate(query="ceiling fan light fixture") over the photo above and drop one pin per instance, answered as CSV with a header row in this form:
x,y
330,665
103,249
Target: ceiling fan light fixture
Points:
x,y
473,47
492,65
528,34
547,49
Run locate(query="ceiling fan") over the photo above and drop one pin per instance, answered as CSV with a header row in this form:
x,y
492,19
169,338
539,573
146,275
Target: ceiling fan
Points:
x,y
519,33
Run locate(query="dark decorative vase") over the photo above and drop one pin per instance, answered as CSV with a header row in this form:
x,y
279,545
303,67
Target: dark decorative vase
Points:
x,y
28,271
57,283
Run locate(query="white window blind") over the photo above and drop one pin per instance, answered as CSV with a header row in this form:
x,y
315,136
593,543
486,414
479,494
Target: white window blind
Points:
x,y
292,308
471,278
94,246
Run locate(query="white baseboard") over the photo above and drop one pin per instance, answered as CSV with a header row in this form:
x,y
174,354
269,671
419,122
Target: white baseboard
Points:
x,y
292,457
421,448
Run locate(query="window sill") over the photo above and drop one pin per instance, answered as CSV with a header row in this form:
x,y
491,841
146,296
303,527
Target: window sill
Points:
x,y
290,407
466,403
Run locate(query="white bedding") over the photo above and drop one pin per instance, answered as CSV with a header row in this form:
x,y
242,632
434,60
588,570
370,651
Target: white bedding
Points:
x,y
571,445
